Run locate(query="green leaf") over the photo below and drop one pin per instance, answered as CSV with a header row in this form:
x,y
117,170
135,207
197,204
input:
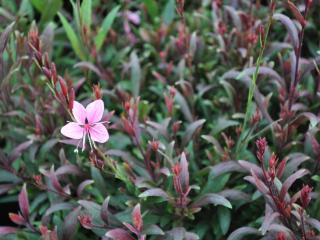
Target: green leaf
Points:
x,y
86,12
106,25
38,4
135,74
152,8
169,12
49,10
224,216
75,42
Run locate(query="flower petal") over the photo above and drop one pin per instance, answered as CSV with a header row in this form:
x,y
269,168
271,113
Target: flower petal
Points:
x,y
79,112
99,133
72,130
95,111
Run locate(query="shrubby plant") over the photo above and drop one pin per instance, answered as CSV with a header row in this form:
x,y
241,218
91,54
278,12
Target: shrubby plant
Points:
x,y
201,119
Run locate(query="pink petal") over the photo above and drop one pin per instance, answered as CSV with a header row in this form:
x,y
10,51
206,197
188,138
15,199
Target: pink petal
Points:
x,y
95,111
72,130
79,112
99,133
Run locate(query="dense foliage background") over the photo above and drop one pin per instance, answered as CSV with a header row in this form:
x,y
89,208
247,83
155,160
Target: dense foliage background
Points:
x,y
212,108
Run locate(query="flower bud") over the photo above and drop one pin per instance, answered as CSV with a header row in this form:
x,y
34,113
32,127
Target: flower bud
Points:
x,y
85,221
63,85
305,197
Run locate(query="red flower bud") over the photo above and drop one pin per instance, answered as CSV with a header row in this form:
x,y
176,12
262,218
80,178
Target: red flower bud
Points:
x,y
97,91
305,197
85,221
176,127
54,73
261,144
154,145
63,85
71,98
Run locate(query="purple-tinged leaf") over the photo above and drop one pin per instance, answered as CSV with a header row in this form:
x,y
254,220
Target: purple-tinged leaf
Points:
x,y
155,192
152,230
234,195
314,223
89,66
226,167
104,210
119,234
268,220
190,131
250,167
83,185
70,224
180,233
290,180
257,182
6,187
16,153
58,207
68,169
184,106
215,143
293,163
281,228
291,28
54,180
24,202
7,230
5,36
236,20
131,228
184,175
242,232
211,198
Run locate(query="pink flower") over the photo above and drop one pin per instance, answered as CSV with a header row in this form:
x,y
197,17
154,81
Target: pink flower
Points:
x,y
87,123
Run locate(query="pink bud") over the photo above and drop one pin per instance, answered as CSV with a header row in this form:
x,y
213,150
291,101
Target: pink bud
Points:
x,y
137,218
63,86
85,221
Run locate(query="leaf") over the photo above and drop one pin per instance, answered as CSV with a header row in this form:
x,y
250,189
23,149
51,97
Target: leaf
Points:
x,y
152,8
184,175
214,142
224,216
222,124
83,185
70,224
297,14
169,12
49,10
226,167
119,234
191,129
135,74
58,207
75,42
17,151
86,12
89,66
106,25
211,198
290,180
235,195
184,106
250,166
38,4
137,218
291,28
5,36
7,230
268,220
24,202
242,232
152,230
155,192
104,210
